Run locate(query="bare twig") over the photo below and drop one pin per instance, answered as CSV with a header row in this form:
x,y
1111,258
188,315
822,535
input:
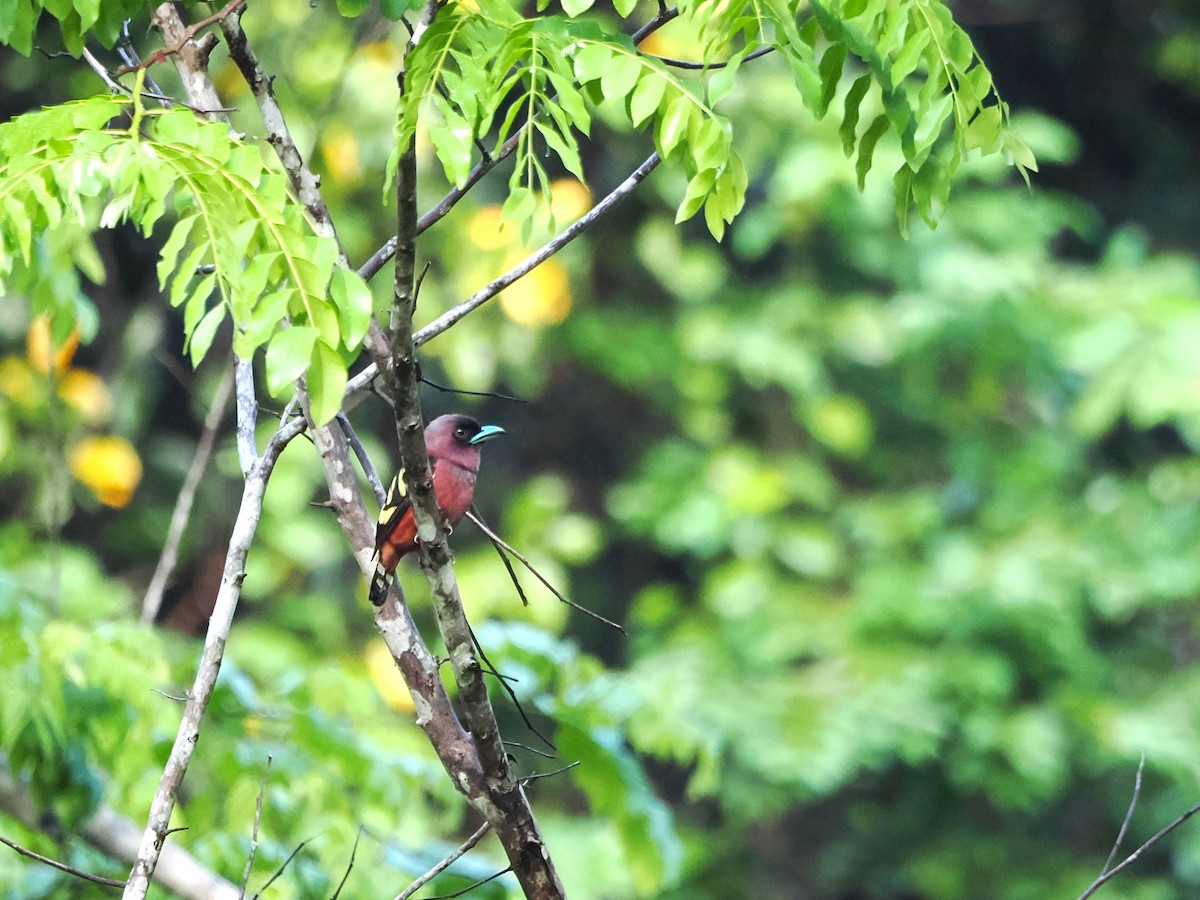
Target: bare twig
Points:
x,y
471,887
499,542
228,595
1133,802
541,753
70,870
349,865
446,863
118,837
490,290
450,390
1133,857
181,41
536,775
708,67
287,862
152,602
364,459
254,831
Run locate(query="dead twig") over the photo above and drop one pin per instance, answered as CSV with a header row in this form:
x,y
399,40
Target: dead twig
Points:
x,y
442,866
499,542
63,867
254,832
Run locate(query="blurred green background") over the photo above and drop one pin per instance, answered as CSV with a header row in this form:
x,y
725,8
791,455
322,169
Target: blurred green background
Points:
x,y
905,534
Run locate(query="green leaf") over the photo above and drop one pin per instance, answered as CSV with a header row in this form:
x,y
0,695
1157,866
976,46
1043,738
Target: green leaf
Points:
x,y
576,7
352,299
520,204
394,10
204,332
854,99
673,126
352,9
591,62
646,97
866,148
620,76
288,355
326,381
830,70
697,192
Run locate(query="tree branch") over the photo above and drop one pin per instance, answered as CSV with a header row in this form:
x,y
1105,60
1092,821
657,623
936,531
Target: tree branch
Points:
x,y
304,183
152,602
228,595
503,802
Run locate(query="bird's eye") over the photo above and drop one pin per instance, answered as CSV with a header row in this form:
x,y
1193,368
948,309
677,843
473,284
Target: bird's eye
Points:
x,y
460,432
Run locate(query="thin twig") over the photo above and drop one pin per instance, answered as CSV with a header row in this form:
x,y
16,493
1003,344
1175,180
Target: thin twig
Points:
x,y
254,832
708,67
490,290
512,573
1133,857
364,459
152,601
1133,802
247,414
536,775
70,870
471,887
512,695
450,390
541,753
442,866
279,871
350,865
496,539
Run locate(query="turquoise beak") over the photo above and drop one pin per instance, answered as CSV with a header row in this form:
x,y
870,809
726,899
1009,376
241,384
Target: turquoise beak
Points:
x,y
486,433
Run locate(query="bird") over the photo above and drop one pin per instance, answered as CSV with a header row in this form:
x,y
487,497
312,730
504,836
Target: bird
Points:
x,y
453,444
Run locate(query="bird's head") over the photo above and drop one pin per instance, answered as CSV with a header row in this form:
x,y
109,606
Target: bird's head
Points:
x,y
456,438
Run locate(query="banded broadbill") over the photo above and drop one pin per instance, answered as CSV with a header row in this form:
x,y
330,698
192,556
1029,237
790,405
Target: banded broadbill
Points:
x,y
452,443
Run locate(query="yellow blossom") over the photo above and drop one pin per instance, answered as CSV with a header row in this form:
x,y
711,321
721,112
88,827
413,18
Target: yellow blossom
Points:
x,y
39,346
543,297
339,147
387,677
487,230
569,199
108,466
86,392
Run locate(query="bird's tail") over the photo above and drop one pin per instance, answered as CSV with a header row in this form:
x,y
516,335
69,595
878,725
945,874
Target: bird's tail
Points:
x,y
380,582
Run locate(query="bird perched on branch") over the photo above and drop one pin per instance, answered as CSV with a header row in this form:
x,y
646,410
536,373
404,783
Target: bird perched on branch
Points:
x,y
452,443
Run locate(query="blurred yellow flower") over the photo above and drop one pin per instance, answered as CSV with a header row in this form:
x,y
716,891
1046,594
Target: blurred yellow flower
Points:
x,y
543,297
387,677
108,466
569,199
339,147
86,392
42,354
17,381
487,230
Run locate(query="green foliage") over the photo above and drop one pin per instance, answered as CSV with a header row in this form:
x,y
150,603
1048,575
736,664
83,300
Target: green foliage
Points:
x,y
238,236
549,73
76,18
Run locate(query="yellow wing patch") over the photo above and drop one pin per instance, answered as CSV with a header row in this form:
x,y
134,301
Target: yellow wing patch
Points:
x,y
394,506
